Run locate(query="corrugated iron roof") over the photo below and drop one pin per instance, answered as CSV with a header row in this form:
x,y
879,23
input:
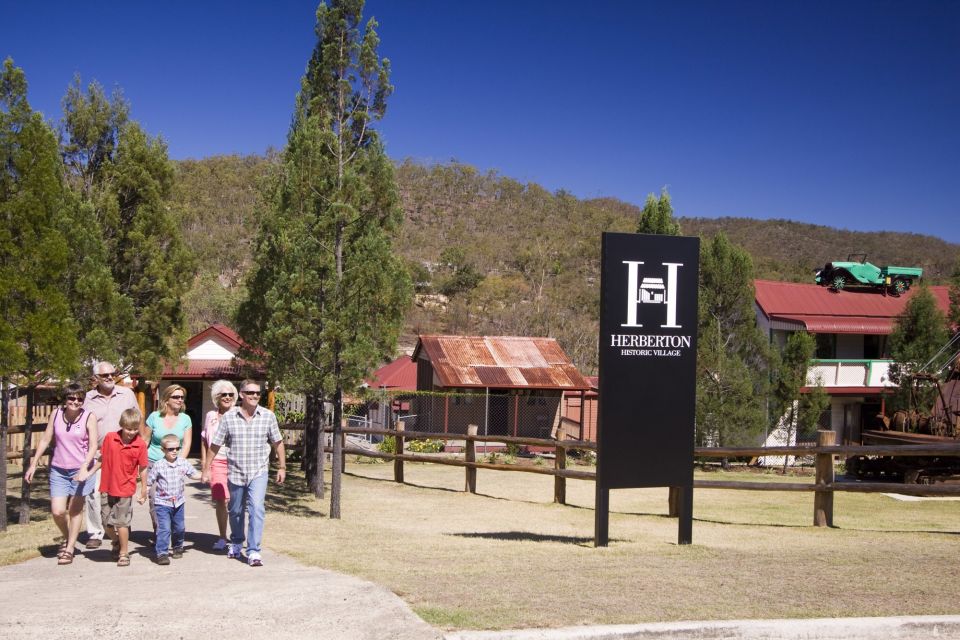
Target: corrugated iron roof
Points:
x,y
399,374
207,370
500,361
222,331
822,310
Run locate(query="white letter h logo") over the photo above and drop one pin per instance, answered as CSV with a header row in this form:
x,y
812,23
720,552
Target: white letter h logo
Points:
x,y
637,295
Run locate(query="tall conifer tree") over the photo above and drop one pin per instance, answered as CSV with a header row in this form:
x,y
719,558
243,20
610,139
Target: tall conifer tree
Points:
x,y
132,265
328,295
37,332
733,357
657,216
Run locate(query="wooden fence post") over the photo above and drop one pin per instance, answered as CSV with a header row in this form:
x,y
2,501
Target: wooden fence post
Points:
x,y
560,483
823,500
398,449
471,456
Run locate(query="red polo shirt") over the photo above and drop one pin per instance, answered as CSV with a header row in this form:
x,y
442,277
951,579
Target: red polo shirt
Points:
x,y
120,464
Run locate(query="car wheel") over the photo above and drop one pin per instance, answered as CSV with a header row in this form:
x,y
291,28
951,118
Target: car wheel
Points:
x,y
838,281
899,286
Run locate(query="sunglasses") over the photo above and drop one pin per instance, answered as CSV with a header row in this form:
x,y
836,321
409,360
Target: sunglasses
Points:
x,y
106,376
73,399
171,448
176,397
250,393
226,395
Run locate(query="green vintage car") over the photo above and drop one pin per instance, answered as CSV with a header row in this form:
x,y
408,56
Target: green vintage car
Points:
x,y
856,271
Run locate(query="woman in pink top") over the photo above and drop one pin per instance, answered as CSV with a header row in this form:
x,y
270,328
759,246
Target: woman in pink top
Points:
x,y
224,396
74,430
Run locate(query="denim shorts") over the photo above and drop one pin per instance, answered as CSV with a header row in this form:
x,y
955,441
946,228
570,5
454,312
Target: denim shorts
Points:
x,y
63,483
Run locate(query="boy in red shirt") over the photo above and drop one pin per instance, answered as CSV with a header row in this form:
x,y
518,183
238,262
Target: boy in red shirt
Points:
x,y
122,454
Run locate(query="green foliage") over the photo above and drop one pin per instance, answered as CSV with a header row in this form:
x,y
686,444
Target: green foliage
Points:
x,y
917,336
460,275
388,444
133,265
732,353
657,216
425,445
38,335
790,376
326,299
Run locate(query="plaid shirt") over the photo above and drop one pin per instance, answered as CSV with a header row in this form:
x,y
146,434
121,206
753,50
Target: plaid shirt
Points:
x,y
168,479
249,442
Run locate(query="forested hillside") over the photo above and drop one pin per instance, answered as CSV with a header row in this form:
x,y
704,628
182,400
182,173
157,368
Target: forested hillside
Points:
x,y
492,255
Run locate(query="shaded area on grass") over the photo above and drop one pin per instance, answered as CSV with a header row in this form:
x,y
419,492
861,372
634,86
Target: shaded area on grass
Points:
x,y
293,497
527,536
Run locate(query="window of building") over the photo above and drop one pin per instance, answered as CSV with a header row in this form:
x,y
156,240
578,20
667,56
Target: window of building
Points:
x,y
826,346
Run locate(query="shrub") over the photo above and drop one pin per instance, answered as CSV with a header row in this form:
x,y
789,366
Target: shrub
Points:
x,y
425,446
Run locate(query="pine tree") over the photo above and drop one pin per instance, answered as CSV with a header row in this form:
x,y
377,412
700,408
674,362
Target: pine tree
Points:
x,y
37,332
327,297
795,412
132,265
733,357
919,334
657,216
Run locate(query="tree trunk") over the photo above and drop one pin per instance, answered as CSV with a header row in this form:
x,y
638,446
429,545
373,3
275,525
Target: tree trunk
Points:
x,y
308,456
320,418
27,453
337,468
313,447
4,408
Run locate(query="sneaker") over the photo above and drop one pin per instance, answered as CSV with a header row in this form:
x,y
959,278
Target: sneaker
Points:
x,y
233,550
253,559
220,545
177,553
164,559
93,543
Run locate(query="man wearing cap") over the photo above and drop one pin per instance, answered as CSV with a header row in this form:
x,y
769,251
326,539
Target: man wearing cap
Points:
x,y
106,401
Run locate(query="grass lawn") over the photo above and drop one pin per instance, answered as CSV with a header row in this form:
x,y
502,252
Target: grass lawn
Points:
x,y
510,558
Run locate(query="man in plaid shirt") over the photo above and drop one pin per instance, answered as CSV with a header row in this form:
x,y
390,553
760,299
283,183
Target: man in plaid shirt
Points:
x,y
250,431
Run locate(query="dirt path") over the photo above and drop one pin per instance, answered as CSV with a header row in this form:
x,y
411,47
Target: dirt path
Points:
x,y
202,595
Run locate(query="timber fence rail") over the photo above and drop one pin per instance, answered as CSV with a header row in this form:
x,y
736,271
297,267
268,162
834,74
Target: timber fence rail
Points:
x,y
824,486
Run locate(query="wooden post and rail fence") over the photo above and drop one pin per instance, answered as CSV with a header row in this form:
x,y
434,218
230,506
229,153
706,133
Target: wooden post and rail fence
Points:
x,y
823,488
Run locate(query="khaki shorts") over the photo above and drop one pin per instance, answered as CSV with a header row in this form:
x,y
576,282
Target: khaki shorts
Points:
x,y
116,512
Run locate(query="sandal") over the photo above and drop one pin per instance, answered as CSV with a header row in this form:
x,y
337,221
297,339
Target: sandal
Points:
x,y
64,557
115,550
123,560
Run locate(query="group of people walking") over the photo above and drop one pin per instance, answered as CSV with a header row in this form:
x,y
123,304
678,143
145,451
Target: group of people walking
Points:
x,y
104,449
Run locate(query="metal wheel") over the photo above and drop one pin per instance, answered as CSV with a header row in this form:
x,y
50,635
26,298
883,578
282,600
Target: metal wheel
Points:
x,y
838,281
899,286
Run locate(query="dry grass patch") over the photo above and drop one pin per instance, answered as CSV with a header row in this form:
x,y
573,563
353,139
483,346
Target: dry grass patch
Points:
x,y
510,558
19,543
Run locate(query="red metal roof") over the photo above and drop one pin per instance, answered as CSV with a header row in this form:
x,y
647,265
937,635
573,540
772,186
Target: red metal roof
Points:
x,y
822,310
399,374
222,331
511,362
208,370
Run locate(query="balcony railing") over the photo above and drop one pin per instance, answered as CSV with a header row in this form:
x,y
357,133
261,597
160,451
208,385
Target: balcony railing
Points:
x,y
849,373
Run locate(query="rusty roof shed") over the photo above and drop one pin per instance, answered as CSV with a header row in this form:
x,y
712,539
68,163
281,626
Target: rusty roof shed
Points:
x,y
503,362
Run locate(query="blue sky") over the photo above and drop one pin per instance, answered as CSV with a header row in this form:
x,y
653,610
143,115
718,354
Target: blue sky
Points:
x,y
838,113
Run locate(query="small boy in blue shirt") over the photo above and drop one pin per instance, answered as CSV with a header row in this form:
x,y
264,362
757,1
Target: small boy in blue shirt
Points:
x,y
167,476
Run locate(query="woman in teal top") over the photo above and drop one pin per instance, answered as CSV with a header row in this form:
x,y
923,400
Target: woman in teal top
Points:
x,y
169,419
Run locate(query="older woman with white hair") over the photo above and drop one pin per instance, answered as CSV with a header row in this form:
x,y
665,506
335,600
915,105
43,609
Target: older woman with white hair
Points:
x,y
224,396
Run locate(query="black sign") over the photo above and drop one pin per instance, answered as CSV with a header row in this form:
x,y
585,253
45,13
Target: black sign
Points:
x,y
648,354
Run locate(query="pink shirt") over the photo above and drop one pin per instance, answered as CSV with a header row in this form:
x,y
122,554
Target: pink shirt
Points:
x,y
72,440
209,428
108,408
